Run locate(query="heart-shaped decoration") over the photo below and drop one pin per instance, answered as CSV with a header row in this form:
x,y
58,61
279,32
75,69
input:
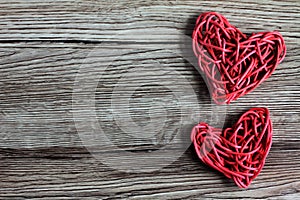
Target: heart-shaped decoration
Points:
x,y
232,62
239,152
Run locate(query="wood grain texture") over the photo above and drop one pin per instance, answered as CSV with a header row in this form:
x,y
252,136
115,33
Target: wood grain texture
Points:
x,y
45,44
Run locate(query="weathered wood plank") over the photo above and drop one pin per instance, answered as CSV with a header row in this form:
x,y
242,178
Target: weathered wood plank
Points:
x,y
98,21
37,89
45,176
43,46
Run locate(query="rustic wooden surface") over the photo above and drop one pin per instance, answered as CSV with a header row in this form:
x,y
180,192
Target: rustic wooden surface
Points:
x,y
43,44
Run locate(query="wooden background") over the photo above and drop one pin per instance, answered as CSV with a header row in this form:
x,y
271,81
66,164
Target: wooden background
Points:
x,y
44,44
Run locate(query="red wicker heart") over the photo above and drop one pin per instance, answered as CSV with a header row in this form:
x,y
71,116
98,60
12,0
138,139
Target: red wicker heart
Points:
x,y
239,152
233,63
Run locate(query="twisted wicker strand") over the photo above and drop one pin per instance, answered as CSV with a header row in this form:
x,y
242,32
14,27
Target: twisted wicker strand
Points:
x,y
233,63
239,152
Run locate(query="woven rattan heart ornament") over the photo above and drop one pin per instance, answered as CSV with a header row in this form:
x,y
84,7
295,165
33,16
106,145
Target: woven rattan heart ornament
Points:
x,y
238,152
232,62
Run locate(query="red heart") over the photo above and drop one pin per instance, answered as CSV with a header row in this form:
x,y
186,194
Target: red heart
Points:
x,y
233,63
239,152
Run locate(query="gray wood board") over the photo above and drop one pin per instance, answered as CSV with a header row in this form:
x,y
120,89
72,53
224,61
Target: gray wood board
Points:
x,y
44,45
